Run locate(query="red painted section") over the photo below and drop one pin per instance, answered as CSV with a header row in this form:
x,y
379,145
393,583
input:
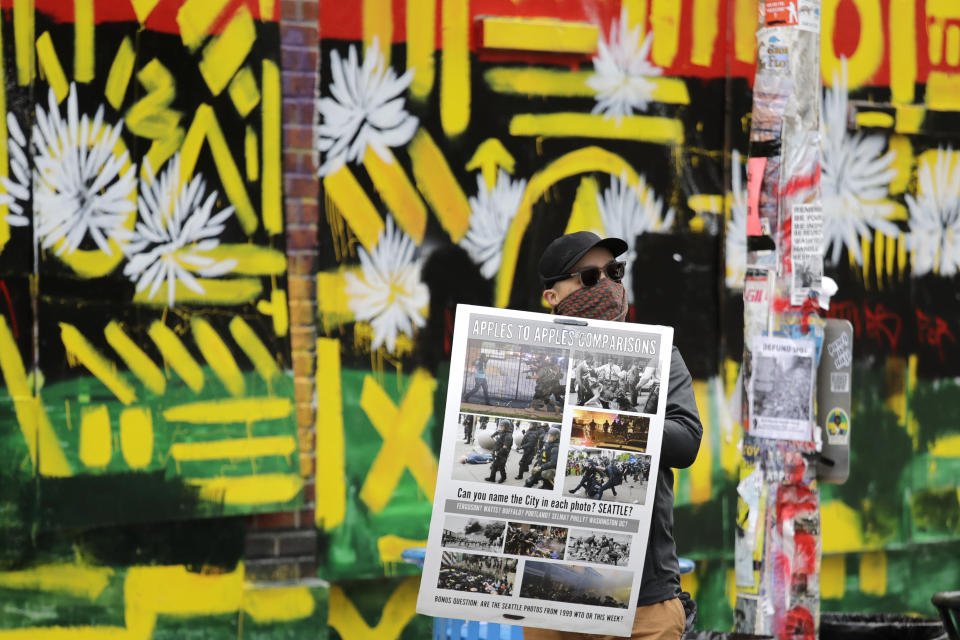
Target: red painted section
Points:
x,y
163,18
344,21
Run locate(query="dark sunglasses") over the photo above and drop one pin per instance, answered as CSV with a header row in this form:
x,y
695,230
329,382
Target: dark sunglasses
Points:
x,y
591,275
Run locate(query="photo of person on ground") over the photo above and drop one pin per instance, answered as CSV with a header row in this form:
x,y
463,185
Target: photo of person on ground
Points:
x,y
615,382
515,448
535,541
581,278
523,382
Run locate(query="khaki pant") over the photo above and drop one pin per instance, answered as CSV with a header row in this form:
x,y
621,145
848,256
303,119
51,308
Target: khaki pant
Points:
x,y
660,621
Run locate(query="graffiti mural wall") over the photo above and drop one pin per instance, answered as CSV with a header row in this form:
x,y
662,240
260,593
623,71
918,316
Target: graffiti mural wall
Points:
x,y
144,346
145,343
455,139
144,334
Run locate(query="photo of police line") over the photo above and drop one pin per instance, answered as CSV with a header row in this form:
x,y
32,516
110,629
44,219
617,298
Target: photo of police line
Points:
x,y
504,451
609,430
464,532
534,540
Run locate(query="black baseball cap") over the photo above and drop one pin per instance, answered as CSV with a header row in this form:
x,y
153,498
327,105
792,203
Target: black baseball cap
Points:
x,y
562,254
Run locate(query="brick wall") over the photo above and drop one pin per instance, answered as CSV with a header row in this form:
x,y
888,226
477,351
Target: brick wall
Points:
x,y
282,546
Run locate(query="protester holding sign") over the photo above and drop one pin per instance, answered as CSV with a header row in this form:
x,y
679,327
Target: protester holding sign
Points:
x,y
624,555
581,278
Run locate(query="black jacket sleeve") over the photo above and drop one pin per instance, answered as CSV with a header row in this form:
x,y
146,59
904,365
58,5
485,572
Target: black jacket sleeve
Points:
x,y
681,428
552,453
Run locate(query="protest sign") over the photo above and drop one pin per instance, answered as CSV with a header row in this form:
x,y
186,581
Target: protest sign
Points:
x,y
551,436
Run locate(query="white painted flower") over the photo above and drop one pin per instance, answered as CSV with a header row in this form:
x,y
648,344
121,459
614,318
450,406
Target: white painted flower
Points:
x,y
934,234
78,187
621,71
175,228
390,294
16,187
628,212
366,110
736,235
491,212
855,178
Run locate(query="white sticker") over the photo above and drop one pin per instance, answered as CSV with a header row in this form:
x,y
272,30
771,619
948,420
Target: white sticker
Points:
x,y
839,382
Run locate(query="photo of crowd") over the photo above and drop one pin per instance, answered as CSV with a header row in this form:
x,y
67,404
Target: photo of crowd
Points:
x,y
463,532
610,475
576,584
477,574
782,387
600,548
535,541
514,381
609,430
616,382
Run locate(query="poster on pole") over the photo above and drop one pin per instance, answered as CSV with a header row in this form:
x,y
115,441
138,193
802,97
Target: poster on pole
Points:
x,y
547,470
781,388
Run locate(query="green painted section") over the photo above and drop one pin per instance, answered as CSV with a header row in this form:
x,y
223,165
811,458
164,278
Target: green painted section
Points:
x,y
156,492
351,549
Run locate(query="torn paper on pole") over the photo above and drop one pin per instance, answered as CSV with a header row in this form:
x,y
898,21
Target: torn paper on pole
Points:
x,y
806,253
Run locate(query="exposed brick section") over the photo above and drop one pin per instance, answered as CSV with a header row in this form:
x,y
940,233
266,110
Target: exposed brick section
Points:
x,y
261,545
283,546
297,543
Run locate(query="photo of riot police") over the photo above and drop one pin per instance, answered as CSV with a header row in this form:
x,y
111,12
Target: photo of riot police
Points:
x,y
614,476
599,548
609,430
535,541
616,382
477,574
576,584
476,534
514,381
515,453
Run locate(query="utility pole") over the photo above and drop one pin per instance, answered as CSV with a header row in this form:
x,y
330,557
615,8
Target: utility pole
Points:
x,y
777,555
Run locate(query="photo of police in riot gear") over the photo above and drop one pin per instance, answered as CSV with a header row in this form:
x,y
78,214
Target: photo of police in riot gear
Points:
x,y
615,382
477,574
504,451
599,547
535,541
613,476
514,381
609,430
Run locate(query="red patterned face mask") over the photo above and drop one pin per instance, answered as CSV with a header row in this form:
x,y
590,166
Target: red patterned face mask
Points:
x,y
606,300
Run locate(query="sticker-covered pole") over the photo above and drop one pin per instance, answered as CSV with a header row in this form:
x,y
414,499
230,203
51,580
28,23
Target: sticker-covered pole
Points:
x,y
777,554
